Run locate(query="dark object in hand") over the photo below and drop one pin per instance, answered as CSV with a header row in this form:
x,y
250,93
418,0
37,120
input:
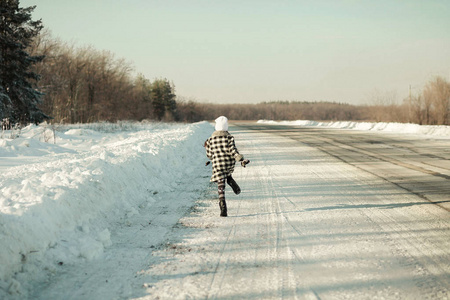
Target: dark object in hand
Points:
x,y
245,162
207,163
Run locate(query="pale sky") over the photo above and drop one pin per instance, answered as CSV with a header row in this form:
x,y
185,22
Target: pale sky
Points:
x,y
252,51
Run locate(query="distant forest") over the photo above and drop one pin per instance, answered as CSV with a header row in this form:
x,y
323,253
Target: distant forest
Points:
x,y
83,84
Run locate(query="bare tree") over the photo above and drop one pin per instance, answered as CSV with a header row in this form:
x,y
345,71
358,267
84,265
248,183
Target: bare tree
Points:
x,y
417,105
437,97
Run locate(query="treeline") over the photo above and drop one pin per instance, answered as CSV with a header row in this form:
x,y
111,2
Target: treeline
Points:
x,y
429,107
432,106
276,110
83,84
87,85
42,78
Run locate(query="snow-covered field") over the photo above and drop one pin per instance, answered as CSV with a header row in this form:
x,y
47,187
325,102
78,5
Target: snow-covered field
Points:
x,y
65,190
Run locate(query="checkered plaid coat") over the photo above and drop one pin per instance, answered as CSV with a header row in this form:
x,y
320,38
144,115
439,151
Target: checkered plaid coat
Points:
x,y
222,151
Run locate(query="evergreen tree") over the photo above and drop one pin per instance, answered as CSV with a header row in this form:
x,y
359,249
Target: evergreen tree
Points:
x,y
143,88
163,99
19,100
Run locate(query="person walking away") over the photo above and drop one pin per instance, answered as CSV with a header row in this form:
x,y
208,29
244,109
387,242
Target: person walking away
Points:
x,y
221,150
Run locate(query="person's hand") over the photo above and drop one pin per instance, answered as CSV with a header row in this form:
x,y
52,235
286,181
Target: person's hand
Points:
x,y
245,162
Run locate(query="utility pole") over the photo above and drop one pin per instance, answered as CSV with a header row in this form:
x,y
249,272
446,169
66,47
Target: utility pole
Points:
x,y
410,105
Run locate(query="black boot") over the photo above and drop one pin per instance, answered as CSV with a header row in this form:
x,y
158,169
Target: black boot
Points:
x,y
223,208
234,185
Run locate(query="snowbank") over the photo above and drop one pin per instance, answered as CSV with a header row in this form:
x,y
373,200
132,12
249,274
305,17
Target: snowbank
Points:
x,y
61,188
437,131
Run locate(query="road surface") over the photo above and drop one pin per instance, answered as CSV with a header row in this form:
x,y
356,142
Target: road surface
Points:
x,y
324,214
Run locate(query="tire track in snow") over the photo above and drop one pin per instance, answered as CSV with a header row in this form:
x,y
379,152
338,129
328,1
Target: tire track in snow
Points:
x,y
404,244
347,148
221,268
271,236
286,258
421,253
265,226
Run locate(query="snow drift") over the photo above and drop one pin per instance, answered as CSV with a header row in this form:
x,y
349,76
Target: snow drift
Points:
x,y
437,131
57,200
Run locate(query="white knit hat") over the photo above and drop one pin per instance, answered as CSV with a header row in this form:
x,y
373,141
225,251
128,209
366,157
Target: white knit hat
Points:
x,y
222,124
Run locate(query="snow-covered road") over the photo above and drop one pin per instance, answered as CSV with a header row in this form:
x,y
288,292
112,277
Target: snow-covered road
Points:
x,y
306,226
323,214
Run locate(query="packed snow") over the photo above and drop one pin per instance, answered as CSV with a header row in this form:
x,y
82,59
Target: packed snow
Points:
x,y
64,187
